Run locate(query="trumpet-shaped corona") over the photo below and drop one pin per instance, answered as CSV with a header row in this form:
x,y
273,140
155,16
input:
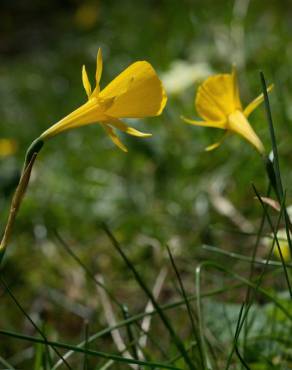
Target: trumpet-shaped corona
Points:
x,y
218,104
137,92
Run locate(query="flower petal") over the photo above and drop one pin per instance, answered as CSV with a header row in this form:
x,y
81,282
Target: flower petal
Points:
x,y
238,123
128,129
114,138
98,69
211,147
256,102
217,97
216,124
214,146
85,80
138,92
237,101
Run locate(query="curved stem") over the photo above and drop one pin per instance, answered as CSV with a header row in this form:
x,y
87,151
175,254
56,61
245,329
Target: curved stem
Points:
x,y
30,157
34,148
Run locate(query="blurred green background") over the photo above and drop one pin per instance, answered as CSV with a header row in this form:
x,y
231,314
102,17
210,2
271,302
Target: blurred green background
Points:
x,y
164,190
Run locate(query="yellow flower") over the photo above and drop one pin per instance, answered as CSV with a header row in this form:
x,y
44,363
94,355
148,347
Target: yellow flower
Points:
x,y
135,93
218,104
285,250
283,244
7,147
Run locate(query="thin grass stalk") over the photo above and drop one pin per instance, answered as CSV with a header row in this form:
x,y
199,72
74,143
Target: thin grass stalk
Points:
x,y
130,334
273,168
235,343
140,316
87,271
104,355
6,364
249,299
243,258
101,285
47,354
39,357
111,321
188,306
107,365
241,358
178,357
243,280
274,231
146,322
203,345
6,287
252,267
177,341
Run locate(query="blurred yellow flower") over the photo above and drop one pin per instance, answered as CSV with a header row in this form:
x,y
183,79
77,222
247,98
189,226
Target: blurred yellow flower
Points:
x,y
218,104
135,93
283,244
7,147
86,15
285,250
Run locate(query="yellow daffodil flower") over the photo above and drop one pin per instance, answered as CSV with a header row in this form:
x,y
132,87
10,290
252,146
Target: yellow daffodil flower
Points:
x,y
137,92
7,147
218,104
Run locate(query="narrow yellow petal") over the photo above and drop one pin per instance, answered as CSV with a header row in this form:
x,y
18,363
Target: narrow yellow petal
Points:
x,y
98,68
237,102
216,145
238,123
85,80
216,124
128,129
114,138
256,102
138,92
211,147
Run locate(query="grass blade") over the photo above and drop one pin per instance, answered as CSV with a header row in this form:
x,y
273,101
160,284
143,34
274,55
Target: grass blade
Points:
x,y
32,322
274,231
90,352
243,258
142,315
189,310
180,346
87,271
273,168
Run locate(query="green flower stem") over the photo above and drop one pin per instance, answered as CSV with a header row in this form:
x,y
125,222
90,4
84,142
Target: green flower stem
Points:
x,y
273,180
34,148
30,157
273,167
272,175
